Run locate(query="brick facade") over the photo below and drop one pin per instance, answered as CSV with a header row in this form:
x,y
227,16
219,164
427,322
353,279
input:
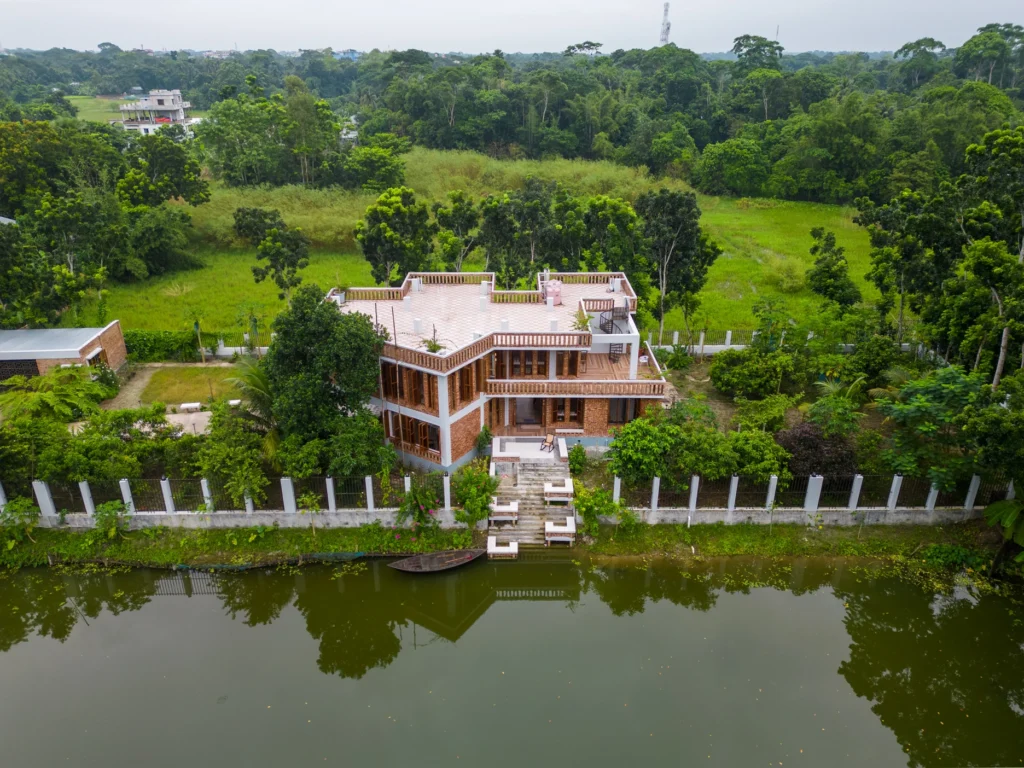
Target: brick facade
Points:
x,y
111,341
464,432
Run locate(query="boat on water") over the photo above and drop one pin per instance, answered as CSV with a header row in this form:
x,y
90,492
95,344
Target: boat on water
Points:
x,y
437,561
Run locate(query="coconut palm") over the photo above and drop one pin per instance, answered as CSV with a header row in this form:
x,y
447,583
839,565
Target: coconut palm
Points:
x,y
253,384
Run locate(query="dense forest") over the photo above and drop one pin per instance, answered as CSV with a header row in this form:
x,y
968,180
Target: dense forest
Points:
x,y
820,127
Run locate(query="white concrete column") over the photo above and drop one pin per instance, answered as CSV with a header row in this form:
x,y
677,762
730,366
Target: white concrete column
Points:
x,y
288,494
369,493
858,485
332,500
728,338
44,498
894,492
655,490
86,491
204,484
3,498
773,486
617,489
933,498
250,508
700,341
813,496
444,420
634,358
165,488
694,490
407,481
447,492
972,493
552,375
675,338
506,410
734,486
126,495
650,337
1011,492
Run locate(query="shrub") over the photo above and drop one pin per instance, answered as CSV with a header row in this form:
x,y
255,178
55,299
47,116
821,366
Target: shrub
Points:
x,y
811,453
17,520
675,359
836,415
768,414
472,490
112,518
420,505
159,346
592,505
749,372
951,556
577,459
484,440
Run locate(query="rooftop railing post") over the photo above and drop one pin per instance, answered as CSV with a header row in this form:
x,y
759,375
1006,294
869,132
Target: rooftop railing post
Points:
x,y
165,488
87,502
332,500
858,485
126,495
368,482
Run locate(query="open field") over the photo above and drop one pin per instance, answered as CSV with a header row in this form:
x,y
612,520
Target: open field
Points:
x,y
187,384
762,240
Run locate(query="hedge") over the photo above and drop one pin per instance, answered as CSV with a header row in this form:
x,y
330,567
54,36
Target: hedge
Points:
x,y
160,346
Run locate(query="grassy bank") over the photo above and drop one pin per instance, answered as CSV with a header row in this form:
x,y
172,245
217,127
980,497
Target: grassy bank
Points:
x,y
186,384
167,548
765,242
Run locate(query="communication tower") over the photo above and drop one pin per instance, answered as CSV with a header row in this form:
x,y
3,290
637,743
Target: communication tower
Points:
x,y
666,27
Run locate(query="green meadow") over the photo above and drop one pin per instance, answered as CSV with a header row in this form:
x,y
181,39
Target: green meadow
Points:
x,y
765,242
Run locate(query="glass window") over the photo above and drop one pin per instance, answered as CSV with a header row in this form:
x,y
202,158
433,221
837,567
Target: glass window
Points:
x,y
517,364
542,363
621,410
560,409
560,363
433,438
575,409
528,365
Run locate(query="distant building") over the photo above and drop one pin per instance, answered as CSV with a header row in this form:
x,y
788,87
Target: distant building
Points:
x,y
155,110
32,352
348,53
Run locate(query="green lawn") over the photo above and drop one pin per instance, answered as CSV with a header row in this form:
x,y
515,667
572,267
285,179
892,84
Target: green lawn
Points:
x,y
761,240
187,384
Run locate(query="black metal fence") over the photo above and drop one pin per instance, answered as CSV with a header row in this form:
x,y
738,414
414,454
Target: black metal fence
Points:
x,y
67,498
835,492
751,494
713,494
793,495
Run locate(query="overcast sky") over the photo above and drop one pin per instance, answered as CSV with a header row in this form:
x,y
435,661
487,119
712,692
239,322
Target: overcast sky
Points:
x,y
483,25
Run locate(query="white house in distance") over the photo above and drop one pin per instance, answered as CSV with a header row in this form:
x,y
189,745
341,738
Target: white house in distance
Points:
x,y
155,110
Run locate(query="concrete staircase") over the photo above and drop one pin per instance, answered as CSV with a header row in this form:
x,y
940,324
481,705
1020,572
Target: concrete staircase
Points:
x,y
533,513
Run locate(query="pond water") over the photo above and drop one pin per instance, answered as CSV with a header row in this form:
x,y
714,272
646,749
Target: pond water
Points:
x,y
548,661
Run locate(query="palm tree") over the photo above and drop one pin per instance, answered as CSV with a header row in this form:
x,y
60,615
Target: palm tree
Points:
x,y
895,379
61,394
830,387
253,384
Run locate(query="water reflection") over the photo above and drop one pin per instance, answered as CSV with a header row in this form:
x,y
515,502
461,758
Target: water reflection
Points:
x,y
944,673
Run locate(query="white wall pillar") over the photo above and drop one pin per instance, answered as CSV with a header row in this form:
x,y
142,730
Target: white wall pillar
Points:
x,y
933,498
552,375
332,500
813,496
165,488
894,492
655,490
506,410
444,420
675,338
700,341
617,489
250,508
1011,492
126,495
288,494
634,357
694,490
972,493
3,498
447,492
858,485
407,483
204,484
368,481
734,486
86,491
44,498
773,486
728,338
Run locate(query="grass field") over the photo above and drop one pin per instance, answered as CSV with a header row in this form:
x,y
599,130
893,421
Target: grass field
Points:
x,y
763,241
187,384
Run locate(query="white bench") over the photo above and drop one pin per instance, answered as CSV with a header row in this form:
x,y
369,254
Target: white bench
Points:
x,y
568,431
234,403
191,407
503,513
496,551
563,451
556,532
560,493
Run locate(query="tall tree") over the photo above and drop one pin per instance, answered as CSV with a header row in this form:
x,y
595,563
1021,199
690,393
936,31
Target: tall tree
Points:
x,y
458,222
679,251
396,233
830,275
756,52
920,59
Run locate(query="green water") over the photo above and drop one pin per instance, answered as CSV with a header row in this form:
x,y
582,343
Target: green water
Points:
x,y
543,662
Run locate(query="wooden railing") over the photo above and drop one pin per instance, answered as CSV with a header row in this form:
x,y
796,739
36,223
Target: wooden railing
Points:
x,y
444,364
417,450
374,294
598,305
570,387
452,278
517,297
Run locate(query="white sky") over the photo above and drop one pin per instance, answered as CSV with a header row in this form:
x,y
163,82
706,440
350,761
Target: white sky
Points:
x,y
483,25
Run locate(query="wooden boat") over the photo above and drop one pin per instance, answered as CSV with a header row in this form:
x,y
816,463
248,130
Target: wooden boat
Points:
x,y
437,561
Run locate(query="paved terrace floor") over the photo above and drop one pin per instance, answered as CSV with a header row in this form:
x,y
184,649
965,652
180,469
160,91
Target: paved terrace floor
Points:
x,y
455,311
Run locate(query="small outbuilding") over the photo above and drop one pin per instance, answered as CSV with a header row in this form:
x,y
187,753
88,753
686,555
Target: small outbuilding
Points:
x,y
32,352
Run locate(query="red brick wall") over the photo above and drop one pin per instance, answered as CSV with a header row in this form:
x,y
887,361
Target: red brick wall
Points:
x,y
45,365
112,341
464,432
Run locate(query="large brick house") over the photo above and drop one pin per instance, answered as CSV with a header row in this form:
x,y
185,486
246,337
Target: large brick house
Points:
x,y
565,360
